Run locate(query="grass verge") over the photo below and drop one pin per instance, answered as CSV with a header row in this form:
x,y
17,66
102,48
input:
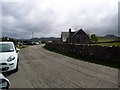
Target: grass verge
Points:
x,y
20,47
87,59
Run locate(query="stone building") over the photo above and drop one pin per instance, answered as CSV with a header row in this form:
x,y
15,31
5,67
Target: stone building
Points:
x,y
78,37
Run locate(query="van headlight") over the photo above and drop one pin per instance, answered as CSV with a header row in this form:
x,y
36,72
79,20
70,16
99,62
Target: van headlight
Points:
x,y
11,58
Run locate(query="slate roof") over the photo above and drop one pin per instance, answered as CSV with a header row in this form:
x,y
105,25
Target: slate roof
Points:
x,y
65,34
78,32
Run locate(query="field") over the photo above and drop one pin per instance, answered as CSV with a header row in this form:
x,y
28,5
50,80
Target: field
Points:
x,y
108,42
106,39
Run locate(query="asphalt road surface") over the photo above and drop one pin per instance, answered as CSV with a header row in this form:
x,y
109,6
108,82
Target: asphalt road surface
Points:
x,y
39,68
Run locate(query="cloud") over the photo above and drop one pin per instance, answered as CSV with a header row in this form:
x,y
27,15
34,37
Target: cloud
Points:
x,y
119,18
50,17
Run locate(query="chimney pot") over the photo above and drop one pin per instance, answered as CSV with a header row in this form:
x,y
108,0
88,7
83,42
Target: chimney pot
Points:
x,y
69,30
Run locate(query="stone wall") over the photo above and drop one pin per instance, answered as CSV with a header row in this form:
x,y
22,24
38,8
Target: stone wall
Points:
x,y
97,52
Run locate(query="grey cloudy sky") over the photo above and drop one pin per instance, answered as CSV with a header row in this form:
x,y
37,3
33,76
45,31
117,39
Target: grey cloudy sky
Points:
x,y
48,18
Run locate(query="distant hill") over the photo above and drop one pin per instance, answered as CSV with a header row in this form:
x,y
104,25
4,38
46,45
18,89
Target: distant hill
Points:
x,y
45,39
34,39
109,37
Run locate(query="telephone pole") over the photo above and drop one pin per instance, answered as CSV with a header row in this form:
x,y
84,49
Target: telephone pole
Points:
x,y
32,34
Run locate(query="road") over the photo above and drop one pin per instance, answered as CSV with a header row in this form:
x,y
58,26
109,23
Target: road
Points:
x,y
39,68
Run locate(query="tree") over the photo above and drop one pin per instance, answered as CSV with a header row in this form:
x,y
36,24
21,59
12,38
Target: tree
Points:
x,y
94,38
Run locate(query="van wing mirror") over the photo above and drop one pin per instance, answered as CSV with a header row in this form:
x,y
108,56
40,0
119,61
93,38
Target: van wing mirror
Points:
x,y
4,82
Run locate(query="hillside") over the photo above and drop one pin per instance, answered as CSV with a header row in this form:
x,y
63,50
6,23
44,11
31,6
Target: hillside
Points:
x,y
108,38
45,39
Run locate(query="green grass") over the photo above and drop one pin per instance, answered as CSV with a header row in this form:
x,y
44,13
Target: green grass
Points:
x,y
105,39
20,47
107,44
87,59
111,44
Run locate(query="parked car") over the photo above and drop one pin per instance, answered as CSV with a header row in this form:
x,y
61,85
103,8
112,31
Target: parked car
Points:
x,y
4,82
9,57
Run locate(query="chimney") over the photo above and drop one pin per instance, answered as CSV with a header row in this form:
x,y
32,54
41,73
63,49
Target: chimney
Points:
x,y
80,29
69,30
69,39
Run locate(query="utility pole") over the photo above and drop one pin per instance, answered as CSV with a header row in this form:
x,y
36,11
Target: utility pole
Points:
x,y
32,34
